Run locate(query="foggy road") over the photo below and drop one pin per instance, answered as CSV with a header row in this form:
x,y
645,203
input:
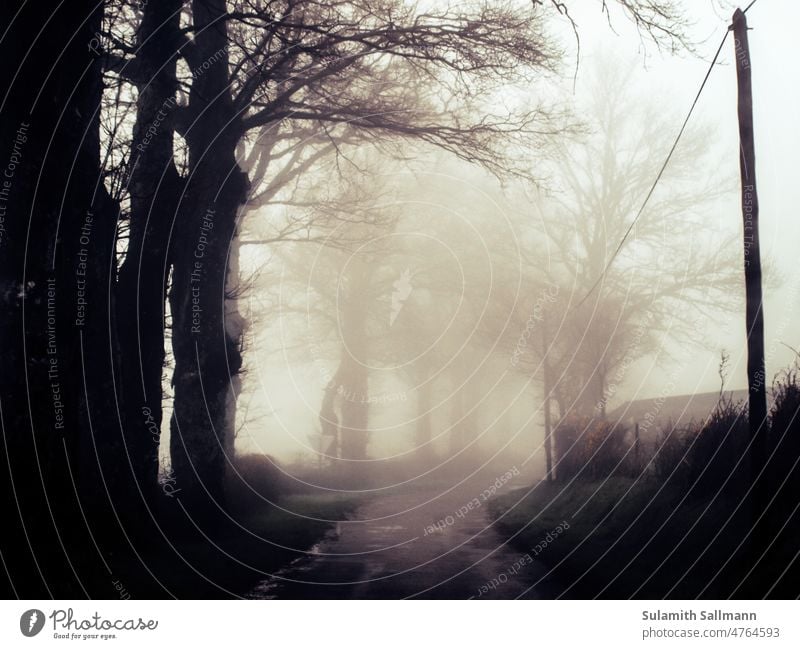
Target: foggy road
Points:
x,y
400,546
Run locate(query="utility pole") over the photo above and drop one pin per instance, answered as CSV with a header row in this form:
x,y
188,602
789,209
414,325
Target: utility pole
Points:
x,y
754,311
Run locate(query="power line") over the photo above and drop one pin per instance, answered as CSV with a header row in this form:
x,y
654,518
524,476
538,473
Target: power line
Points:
x,y
747,8
663,168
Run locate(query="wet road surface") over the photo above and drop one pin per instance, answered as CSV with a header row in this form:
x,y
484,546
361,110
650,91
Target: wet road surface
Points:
x,y
412,544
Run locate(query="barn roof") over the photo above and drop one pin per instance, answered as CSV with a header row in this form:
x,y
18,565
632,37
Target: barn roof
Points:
x,y
679,410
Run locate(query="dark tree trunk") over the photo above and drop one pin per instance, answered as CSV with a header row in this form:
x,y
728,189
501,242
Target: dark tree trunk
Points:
x,y
424,433
600,396
207,355
154,190
353,374
329,424
56,261
547,388
355,409
463,414
457,435
352,386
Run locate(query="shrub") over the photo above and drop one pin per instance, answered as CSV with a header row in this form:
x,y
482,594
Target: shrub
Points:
x,y
592,448
784,435
717,450
669,456
253,481
568,448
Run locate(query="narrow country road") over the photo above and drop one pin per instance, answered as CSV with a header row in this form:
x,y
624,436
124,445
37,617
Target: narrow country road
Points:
x,y
411,544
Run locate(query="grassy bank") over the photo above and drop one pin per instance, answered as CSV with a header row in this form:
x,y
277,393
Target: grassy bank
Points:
x,y
300,521
243,551
628,539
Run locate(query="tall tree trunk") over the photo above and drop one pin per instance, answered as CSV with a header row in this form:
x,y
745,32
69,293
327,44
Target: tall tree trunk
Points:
x,y
155,187
355,410
235,326
547,388
463,412
459,420
353,375
353,388
456,418
56,262
600,395
206,355
329,424
424,433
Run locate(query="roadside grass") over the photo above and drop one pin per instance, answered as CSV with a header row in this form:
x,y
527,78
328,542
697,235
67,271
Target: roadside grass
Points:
x,y
299,521
683,529
239,552
629,539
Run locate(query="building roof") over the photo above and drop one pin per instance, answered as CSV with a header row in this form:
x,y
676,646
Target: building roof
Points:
x,y
678,410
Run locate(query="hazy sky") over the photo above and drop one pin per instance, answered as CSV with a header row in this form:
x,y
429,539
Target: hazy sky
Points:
x,y
284,415
776,100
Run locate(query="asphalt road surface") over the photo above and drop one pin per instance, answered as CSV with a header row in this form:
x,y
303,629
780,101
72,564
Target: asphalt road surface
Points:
x,y
412,544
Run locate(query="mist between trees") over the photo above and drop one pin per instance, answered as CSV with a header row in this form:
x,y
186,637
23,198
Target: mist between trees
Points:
x,y
383,206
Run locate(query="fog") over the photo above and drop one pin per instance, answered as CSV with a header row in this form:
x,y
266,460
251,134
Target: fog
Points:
x,y
388,299
469,220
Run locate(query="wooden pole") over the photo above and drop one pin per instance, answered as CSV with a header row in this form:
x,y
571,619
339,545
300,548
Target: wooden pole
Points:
x,y
754,315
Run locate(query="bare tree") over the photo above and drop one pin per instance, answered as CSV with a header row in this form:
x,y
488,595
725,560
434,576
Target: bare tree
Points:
x,y
248,74
387,71
586,320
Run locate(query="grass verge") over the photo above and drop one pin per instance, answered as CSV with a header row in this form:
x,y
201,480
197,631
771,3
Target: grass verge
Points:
x,y
239,553
628,539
